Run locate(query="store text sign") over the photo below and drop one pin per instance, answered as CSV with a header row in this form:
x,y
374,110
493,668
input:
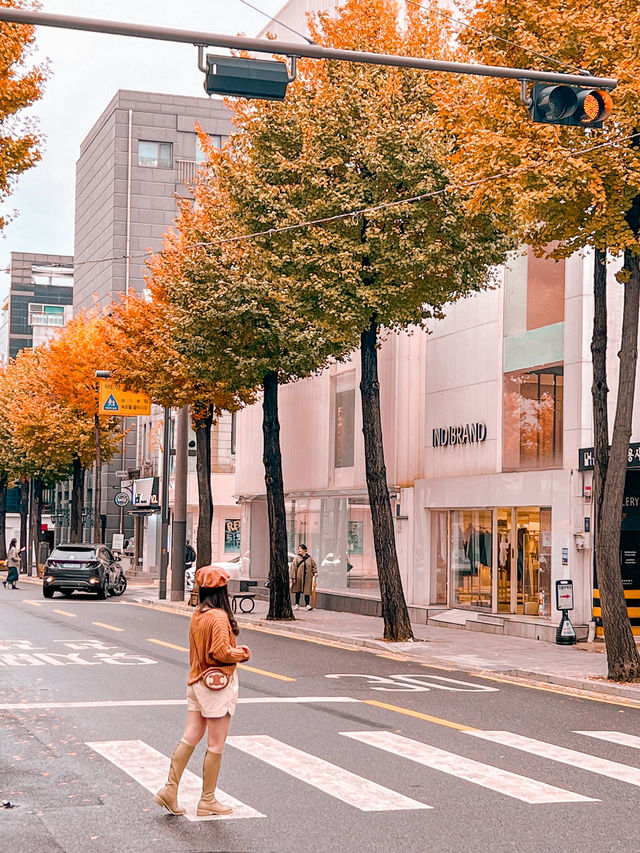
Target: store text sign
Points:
x,y
453,436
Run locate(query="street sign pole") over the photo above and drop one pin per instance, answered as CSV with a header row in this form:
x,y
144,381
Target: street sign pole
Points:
x,y
179,524
164,529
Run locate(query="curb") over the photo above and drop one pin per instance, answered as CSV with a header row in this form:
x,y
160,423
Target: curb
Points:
x,y
591,686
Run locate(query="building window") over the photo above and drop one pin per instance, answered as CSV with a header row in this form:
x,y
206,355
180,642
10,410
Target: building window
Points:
x,y
154,154
201,156
233,433
52,275
532,430
46,315
345,403
232,536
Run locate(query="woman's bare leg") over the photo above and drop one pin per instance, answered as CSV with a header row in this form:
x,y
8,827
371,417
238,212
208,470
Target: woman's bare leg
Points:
x,y
217,731
194,728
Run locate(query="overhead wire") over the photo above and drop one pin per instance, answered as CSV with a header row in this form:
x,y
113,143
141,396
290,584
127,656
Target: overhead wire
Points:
x,y
445,14
276,21
354,214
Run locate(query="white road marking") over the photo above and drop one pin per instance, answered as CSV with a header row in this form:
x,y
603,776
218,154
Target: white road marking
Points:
x,y
419,683
132,703
502,781
615,737
611,769
149,768
339,783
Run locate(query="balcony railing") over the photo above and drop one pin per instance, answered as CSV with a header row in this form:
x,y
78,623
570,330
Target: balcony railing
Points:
x,y
186,171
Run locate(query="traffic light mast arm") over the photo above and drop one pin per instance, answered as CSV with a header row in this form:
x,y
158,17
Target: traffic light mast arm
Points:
x,y
195,37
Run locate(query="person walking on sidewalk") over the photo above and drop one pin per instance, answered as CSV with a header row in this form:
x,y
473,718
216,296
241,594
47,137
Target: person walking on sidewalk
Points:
x,y
13,563
212,691
303,571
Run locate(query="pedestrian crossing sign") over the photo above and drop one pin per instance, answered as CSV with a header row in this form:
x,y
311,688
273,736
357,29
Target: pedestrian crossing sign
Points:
x,y
114,400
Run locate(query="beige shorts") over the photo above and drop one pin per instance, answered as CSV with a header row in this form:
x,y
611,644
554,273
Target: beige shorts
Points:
x,y
213,703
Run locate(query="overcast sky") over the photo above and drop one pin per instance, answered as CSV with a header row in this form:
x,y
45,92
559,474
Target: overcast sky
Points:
x,y
86,71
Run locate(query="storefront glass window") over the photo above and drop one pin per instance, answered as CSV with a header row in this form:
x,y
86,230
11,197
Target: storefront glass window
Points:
x,y
338,533
471,556
439,556
533,418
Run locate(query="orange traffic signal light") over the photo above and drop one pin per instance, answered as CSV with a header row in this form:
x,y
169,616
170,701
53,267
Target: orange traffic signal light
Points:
x,y
570,105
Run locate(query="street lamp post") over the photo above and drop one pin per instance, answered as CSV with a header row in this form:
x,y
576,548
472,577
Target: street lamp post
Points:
x,y
179,526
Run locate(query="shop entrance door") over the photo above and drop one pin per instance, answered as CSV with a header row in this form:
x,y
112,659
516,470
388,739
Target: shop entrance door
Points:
x,y
507,592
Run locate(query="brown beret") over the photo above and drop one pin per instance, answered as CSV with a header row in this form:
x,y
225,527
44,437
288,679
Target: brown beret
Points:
x,y
211,577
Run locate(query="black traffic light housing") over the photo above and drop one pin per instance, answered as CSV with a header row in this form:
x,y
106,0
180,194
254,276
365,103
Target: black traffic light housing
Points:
x,y
569,105
246,78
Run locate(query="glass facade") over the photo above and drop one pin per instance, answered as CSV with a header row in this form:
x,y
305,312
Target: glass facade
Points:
x,y
532,426
497,559
471,556
338,534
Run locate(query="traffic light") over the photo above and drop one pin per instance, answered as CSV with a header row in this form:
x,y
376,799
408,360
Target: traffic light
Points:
x,y
246,78
569,105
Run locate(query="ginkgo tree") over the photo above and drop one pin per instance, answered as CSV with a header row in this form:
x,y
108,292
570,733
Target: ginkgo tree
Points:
x,y
241,328
354,152
69,363
140,335
20,86
568,190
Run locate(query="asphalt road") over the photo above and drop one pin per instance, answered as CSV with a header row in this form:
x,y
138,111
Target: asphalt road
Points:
x,y
331,749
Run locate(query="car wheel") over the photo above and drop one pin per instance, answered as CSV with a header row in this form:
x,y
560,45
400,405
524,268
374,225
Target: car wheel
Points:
x,y
120,586
48,593
102,593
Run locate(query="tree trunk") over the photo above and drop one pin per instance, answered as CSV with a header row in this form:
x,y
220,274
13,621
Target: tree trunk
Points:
x,y
279,595
3,518
77,499
97,486
36,519
622,654
24,512
599,388
397,626
202,429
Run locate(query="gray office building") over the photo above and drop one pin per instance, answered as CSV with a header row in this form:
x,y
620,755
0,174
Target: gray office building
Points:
x,y
142,152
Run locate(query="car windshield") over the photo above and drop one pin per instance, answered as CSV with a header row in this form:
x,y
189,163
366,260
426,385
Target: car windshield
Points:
x,y
73,554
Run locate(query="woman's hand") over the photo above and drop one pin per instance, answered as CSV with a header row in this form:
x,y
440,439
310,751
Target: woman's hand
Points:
x,y
246,652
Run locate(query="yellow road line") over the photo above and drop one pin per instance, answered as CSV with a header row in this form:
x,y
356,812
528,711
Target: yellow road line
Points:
x,y
104,625
240,665
265,672
34,603
168,645
409,713
65,613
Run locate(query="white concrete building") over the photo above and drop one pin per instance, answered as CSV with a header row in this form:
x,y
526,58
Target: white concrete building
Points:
x,y
483,421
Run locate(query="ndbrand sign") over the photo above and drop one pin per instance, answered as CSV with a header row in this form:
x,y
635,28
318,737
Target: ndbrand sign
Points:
x,y
452,436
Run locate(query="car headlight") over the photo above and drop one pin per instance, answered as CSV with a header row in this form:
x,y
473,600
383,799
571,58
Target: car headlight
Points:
x,y
48,579
94,580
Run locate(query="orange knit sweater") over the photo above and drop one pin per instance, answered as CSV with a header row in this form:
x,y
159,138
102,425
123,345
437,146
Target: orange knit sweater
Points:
x,y
212,643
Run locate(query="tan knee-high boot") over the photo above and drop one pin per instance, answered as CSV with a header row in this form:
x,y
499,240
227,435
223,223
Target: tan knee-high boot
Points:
x,y
168,796
210,769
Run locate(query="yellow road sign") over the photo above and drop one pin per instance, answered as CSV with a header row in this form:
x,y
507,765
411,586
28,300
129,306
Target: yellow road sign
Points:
x,y
115,401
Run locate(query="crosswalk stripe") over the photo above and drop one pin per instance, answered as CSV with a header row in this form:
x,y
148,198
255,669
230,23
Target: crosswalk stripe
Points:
x,y
149,768
354,790
611,769
502,781
615,737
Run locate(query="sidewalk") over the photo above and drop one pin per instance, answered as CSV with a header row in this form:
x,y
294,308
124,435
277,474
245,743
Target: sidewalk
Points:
x,y
582,667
